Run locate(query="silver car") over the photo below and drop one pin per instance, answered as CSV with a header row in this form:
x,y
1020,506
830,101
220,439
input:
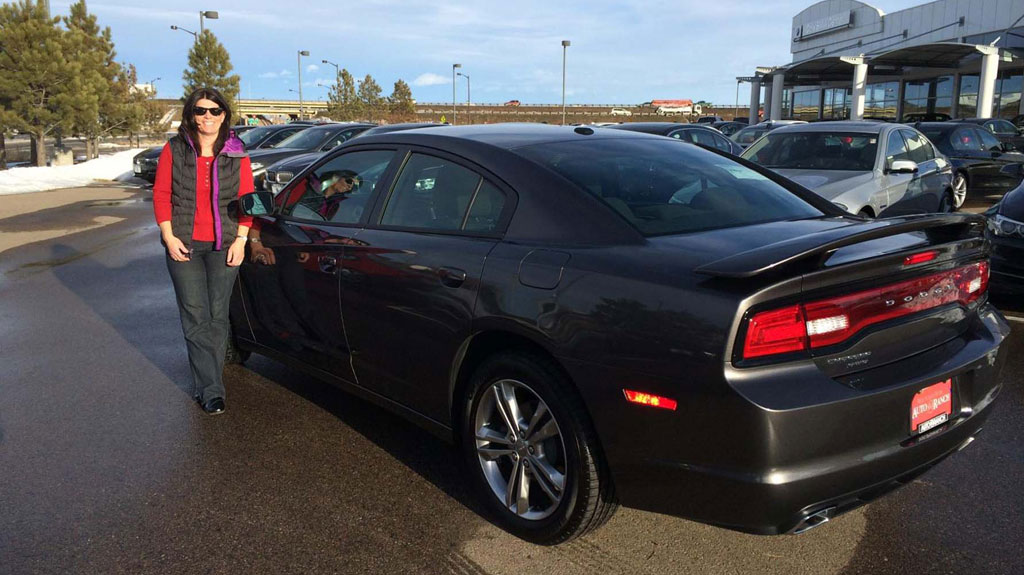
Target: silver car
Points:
x,y
867,168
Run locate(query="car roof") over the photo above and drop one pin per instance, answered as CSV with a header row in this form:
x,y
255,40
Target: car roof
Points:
x,y
652,127
944,126
863,127
399,127
506,136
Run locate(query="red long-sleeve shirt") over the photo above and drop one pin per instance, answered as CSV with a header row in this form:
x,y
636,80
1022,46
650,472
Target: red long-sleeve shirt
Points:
x,y
202,227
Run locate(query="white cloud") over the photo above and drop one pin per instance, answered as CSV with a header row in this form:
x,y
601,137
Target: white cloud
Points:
x,y
281,74
312,68
430,79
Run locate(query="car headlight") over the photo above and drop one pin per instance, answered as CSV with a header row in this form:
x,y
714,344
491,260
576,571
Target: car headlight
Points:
x,y
1003,226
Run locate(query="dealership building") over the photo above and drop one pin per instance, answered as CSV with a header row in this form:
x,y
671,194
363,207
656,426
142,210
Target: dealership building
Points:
x,y
955,58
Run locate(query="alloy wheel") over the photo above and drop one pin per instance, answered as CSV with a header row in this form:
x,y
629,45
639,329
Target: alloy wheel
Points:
x,y
520,449
959,190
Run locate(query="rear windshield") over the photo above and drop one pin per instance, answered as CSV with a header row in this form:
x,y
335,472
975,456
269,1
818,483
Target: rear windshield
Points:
x,y
305,140
249,137
815,151
663,186
747,136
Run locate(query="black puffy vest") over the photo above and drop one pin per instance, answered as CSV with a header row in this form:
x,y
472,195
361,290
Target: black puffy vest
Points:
x,y
224,190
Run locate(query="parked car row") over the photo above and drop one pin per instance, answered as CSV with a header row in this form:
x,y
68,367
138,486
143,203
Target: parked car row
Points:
x,y
601,316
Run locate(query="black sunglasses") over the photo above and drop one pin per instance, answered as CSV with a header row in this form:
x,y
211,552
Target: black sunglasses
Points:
x,y
201,111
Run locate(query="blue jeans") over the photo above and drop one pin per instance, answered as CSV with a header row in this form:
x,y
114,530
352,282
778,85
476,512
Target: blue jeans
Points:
x,y
203,286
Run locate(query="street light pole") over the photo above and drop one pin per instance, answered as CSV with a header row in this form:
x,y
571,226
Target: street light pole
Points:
x,y
211,14
469,100
565,45
337,70
298,60
152,88
454,66
195,37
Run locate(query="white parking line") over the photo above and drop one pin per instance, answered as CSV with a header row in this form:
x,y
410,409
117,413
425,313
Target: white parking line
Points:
x,y
1017,319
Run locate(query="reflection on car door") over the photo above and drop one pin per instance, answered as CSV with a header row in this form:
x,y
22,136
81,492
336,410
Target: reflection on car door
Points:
x,y
294,295
410,285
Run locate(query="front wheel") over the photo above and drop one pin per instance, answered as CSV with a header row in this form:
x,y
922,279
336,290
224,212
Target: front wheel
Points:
x,y
959,190
532,452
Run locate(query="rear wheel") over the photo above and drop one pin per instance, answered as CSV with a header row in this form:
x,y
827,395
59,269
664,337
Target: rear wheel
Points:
x,y
959,190
532,452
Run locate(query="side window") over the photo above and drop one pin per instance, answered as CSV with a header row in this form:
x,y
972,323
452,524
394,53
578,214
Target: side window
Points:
x,y
277,138
918,147
702,137
895,149
965,140
339,190
988,141
431,193
721,143
485,210
1001,127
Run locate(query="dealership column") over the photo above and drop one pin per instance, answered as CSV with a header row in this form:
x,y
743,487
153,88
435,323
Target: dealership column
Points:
x,y
755,99
778,82
860,78
987,83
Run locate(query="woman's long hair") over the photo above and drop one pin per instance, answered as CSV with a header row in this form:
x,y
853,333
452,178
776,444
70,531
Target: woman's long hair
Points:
x,y
189,129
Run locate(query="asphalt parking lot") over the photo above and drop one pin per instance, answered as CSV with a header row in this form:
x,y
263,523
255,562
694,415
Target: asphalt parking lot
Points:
x,y
106,466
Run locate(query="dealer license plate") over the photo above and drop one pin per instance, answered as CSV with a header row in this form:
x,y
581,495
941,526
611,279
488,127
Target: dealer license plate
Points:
x,y
931,407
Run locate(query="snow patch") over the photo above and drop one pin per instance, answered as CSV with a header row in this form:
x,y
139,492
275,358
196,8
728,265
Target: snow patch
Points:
x,y
115,167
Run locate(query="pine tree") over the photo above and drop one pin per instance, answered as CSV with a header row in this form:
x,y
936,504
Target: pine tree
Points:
x,y
38,72
92,93
342,103
370,98
209,66
403,107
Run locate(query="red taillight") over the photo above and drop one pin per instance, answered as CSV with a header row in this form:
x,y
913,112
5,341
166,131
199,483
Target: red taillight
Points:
x,y
648,399
834,320
777,331
920,258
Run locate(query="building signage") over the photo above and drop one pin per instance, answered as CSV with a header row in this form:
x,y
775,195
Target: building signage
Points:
x,y
825,25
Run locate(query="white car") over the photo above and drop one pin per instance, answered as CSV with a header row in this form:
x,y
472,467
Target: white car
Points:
x,y
621,112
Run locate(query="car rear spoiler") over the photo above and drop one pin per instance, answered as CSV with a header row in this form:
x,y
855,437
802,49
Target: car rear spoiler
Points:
x,y
938,227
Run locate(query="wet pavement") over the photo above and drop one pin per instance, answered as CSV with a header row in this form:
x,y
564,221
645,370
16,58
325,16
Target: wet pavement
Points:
x,y
106,466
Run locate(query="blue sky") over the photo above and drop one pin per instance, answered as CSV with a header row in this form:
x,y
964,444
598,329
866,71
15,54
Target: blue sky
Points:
x,y
621,53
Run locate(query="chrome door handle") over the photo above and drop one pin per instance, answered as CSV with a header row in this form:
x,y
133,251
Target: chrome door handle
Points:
x,y
328,264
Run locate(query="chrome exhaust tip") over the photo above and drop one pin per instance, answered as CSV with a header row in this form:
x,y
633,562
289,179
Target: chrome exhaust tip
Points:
x,y
815,519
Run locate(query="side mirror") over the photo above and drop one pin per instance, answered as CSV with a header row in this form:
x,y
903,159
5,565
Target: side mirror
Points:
x,y
903,167
257,204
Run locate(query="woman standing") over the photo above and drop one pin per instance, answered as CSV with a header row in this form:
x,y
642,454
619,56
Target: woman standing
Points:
x,y
200,176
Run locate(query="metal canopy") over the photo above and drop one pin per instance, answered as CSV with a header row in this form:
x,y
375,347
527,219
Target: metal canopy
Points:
x,y
934,55
824,69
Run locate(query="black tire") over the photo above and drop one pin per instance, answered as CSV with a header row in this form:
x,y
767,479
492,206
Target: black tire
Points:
x,y
235,354
947,204
586,499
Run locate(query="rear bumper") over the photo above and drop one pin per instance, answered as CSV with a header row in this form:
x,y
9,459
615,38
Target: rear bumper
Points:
x,y
764,463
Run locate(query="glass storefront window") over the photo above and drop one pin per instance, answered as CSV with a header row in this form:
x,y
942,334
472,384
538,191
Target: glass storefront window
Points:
x,y
836,105
805,104
1008,91
880,100
928,96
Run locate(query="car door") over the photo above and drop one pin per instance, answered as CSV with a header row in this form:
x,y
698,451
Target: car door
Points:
x,y
409,286
925,189
294,283
893,186
997,159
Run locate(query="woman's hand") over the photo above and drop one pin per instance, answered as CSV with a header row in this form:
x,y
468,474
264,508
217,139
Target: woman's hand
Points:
x,y
236,252
176,248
